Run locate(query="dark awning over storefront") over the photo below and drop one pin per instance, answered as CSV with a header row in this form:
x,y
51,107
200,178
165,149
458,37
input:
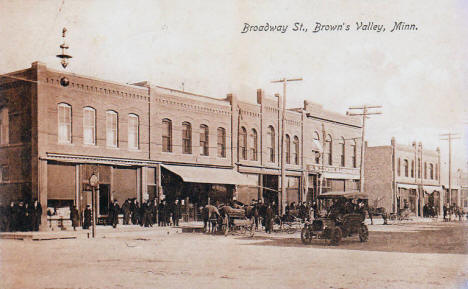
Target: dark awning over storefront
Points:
x,y
210,175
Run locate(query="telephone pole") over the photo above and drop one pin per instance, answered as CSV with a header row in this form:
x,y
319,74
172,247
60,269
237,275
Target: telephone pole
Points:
x,y
450,136
283,169
365,113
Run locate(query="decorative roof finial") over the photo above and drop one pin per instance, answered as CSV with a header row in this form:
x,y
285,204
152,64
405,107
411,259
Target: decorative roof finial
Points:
x,y
64,46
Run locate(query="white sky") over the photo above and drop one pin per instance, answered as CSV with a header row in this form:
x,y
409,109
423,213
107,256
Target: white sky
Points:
x,y
420,77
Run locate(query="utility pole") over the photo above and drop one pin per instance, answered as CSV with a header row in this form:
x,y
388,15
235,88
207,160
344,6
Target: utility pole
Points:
x,y
365,112
283,169
450,136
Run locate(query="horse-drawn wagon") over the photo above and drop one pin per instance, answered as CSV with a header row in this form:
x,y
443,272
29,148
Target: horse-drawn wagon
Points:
x,y
236,220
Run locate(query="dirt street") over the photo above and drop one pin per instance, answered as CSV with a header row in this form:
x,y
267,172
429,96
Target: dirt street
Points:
x,y
429,255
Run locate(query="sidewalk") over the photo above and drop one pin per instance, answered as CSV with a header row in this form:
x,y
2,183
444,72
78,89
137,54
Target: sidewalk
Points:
x,y
101,232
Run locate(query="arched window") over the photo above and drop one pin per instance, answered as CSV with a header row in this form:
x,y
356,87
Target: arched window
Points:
x,y
221,142
399,167
89,126
329,150
431,171
288,149
186,138
271,143
64,123
243,143
343,151
111,128
354,149
253,145
436,172
133,131
405,165
317,146
412,168
425,170
296,150
204,140
166,135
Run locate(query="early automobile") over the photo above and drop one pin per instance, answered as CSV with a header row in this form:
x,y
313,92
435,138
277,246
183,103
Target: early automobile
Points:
x,y
344,218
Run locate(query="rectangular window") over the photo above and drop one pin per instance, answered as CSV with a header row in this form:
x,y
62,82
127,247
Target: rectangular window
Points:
x,y
204,140
221,142
64,123
89,126
111,129
4,120
166,135
4,174
399,167
133,132
186,138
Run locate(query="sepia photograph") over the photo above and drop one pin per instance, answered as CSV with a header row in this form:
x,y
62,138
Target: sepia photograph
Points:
x,y
233,144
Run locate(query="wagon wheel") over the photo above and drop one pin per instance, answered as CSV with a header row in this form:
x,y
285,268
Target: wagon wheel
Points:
x,y
290,229
336,236
306,237
363,233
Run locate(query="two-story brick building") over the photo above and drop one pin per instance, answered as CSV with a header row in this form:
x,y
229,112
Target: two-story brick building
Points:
x,y
144,141
398,176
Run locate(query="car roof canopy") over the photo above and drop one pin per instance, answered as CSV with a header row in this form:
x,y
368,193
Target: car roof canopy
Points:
x,y
346,195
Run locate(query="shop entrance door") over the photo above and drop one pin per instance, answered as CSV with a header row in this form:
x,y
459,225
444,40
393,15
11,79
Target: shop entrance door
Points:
x,y
104,199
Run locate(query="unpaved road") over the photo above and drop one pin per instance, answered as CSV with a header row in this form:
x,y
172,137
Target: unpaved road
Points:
x,y
397,256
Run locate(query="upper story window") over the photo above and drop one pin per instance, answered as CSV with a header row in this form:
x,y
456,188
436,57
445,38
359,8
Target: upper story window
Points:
x,y
317,153
436,172
133,131
399,167
253,145
204,140
186,138
271,143
419,167
221,142
329,150
111,128
343,151
89,126
4,130
4,174
296,150
431,171
405,165
354,149
412,168
243,143
166,135
425,170
288,149
64,123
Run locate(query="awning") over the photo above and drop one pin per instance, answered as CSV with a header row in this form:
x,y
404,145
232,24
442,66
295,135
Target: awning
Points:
x,y
431,189
329,175
317,146
210,175
407,186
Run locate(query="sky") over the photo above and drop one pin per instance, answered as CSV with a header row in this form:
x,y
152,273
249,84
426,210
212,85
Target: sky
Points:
x,y
418,76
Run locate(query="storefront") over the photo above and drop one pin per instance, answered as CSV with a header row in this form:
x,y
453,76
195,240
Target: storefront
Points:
x,y
407,197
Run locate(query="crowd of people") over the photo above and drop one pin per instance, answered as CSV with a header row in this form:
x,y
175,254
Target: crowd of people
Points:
x,y
147,214
20,216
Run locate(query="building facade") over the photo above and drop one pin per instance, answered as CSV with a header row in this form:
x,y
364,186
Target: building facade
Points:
x,y
145,141
399,176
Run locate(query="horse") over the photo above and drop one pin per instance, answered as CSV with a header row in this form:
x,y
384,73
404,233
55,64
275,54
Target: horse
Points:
x,y
210,215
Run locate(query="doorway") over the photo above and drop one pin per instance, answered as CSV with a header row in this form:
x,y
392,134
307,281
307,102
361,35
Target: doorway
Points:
x,y
104,199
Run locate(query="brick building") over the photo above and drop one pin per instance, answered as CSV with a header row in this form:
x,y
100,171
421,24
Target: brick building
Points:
x,y
398,176
145,141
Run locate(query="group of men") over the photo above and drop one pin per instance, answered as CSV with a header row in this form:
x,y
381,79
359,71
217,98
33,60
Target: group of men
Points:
x,y
147,214
20,216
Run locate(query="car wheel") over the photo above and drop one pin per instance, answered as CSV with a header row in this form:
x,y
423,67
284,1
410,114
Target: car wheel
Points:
x,y
336,236
363,233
